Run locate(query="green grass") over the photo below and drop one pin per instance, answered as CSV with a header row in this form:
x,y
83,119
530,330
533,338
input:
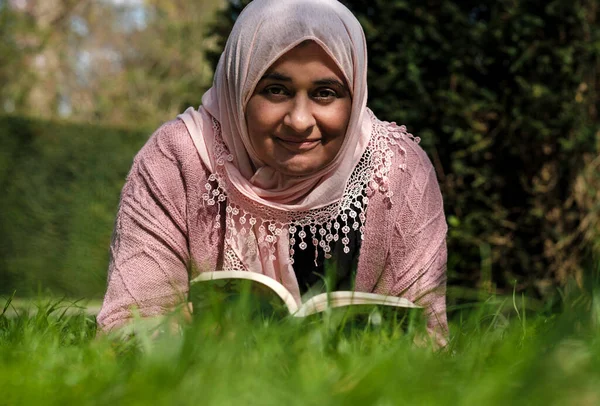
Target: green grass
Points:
x,y
495,356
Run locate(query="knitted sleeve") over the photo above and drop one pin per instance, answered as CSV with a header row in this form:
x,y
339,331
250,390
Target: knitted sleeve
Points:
x,y
418,249
149,252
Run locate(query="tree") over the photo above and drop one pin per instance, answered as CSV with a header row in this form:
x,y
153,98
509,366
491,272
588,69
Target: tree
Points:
x,y
160,68
35,47
119,62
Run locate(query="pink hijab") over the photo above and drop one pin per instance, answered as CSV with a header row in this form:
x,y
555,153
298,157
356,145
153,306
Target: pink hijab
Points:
x,y
265,209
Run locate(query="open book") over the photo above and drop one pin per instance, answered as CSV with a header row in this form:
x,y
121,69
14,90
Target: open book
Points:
x,y
237,281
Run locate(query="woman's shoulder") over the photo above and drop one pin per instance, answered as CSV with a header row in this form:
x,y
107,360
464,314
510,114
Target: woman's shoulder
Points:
x,y
402,151
411,184
170,141
170,156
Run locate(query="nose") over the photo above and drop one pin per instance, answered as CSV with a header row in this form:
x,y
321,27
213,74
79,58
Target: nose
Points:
x,y
300,116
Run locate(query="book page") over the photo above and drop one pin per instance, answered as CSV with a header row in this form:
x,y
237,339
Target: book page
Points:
x,y
323,301
272,284
313,305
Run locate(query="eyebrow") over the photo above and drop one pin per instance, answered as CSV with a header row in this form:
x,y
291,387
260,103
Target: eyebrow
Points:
x,y
276,76
330,82
321,82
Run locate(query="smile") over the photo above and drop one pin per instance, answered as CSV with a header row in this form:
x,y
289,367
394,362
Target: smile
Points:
x,y
298,146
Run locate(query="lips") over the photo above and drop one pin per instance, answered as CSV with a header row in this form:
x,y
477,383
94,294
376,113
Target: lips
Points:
x,y
298,145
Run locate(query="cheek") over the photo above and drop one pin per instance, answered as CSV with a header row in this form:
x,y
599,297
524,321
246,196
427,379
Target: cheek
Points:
x,y
261,121
335,123
253,123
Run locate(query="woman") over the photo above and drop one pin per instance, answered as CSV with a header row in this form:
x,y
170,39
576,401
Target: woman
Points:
x,y
283,171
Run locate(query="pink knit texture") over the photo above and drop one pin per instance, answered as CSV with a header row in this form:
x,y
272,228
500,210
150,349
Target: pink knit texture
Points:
x,y
164,233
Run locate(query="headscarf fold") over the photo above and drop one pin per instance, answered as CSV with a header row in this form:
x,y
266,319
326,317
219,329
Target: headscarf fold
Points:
x,y
264,31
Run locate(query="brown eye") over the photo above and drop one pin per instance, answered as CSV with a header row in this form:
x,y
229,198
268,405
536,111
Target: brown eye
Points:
x,y
325,94
275,91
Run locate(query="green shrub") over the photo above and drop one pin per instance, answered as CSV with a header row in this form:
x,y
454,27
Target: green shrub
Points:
x,y
60,186
504,96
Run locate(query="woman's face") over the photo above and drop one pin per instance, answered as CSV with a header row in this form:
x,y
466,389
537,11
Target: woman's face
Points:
x,y
299,111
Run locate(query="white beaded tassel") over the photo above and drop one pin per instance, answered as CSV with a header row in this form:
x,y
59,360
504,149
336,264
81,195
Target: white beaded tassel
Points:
x,y
326,225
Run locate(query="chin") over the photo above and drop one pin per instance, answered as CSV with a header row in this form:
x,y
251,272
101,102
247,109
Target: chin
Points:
x,y
295,171
298,168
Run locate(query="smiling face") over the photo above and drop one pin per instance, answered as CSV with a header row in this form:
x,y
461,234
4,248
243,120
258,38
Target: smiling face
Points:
x,y
299,111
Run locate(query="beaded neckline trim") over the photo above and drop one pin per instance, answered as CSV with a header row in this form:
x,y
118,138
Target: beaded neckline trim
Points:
x,y
321,225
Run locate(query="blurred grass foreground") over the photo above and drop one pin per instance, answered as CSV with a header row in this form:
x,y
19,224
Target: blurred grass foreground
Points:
x,y
495,357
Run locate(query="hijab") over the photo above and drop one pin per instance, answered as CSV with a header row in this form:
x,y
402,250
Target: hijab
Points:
x,y
265,210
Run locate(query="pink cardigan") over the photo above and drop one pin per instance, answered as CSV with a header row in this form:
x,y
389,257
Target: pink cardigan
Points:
x,y
163,230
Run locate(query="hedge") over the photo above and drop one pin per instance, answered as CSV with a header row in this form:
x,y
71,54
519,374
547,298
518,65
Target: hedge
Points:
x,y
60,186
504,95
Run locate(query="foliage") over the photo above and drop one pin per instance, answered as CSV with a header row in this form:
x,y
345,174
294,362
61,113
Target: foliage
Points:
x,y
504,96
162,68
117,62
60,187
37,55
494,357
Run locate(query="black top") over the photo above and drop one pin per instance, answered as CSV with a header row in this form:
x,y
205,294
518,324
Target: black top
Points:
x,y
335,273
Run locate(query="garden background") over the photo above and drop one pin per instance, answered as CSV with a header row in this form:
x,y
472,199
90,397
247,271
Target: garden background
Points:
x,y
503,94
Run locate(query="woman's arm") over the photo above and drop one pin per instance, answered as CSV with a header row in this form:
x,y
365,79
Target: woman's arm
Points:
x,y
149,253
418,250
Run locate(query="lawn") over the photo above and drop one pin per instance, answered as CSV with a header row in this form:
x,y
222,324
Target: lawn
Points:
x,y
498,354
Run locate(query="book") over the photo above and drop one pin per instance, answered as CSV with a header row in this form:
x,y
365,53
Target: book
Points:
x,y
230,284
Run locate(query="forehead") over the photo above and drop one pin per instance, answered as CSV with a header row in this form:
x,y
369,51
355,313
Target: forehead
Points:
x,y
307,59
